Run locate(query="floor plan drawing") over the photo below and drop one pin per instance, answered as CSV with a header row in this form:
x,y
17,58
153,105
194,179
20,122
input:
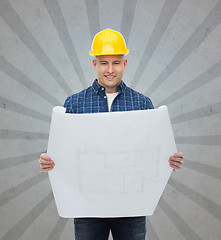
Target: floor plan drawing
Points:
x,y
118,172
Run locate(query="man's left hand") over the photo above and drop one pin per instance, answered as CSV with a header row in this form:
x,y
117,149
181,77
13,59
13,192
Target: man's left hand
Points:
x,y
176,161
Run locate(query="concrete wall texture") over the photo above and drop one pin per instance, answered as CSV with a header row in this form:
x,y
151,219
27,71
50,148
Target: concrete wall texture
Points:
x,y
175,59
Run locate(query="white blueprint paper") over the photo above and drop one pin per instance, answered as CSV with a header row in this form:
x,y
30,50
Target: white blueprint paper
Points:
x,y
111,164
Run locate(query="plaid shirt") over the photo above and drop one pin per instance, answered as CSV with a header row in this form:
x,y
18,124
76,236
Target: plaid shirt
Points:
x,y
94,100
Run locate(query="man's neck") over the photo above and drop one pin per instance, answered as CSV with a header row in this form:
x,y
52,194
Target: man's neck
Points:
x,y
110,90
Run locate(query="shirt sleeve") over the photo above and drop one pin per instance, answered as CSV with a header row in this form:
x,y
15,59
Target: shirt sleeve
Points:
x,y
68,105
148,103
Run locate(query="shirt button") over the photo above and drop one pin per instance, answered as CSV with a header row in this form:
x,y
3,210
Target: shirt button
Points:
x,y
102,88
105,96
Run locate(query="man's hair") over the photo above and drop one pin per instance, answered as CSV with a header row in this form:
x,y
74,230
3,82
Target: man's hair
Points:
x,y
124,56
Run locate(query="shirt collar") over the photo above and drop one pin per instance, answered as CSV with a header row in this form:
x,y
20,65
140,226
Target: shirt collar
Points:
x,y
98,88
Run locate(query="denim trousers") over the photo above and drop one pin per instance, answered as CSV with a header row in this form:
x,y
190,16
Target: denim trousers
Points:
x,y
127,228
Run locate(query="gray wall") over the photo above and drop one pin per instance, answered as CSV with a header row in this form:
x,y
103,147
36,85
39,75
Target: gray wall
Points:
x,y
175,59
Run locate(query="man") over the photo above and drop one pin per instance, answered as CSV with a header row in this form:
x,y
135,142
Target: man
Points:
x,y
109,93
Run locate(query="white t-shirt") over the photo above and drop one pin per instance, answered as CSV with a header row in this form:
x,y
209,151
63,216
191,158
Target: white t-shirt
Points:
x,y
110,98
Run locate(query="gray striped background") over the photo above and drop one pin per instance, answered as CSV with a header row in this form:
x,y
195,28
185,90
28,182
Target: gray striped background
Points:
x,y
175,59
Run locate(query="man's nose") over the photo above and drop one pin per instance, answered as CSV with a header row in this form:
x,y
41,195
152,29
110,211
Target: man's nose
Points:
x,y
110,68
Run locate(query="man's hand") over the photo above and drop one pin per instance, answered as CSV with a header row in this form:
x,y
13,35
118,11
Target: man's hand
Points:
x,y
176,161
46,163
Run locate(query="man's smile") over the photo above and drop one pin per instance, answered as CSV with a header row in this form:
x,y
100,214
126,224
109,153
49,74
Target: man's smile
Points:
x,y
109,77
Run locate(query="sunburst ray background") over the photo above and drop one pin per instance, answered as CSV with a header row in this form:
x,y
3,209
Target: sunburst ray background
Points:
x,y
175,59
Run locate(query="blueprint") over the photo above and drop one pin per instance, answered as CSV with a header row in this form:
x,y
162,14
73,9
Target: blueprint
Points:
x,y
111,164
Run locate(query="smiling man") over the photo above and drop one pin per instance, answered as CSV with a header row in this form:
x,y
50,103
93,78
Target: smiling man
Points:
x,y
109,93
110,70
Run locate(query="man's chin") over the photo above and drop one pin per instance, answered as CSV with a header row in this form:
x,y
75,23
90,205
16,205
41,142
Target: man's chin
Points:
x,y
111,83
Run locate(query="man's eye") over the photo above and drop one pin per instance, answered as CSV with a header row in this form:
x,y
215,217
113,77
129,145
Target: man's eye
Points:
x,y
103,63
117,63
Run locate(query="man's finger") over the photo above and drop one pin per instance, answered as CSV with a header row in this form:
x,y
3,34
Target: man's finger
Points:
x,y
42,161
45,157
175,168
176,159
179,155
179,160
176,164
43,166
46,169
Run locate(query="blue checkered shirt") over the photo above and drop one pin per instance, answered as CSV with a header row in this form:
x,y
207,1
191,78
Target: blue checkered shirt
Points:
x,y
94,100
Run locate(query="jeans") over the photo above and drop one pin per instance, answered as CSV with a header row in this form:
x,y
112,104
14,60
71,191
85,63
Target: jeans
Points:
x,y
127,228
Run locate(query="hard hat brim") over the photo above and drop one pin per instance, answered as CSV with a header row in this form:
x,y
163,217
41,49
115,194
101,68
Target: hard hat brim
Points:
x,y
108,53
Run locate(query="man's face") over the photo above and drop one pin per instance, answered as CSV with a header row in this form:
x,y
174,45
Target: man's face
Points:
x,y
110,70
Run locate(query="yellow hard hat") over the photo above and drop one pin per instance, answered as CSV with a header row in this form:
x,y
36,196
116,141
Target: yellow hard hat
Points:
x,y
108,42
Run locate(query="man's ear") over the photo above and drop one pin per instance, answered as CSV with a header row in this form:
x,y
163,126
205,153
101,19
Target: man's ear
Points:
x,y
94,63
125,63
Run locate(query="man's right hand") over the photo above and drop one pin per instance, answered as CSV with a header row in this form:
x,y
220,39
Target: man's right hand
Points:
x,y
46,163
